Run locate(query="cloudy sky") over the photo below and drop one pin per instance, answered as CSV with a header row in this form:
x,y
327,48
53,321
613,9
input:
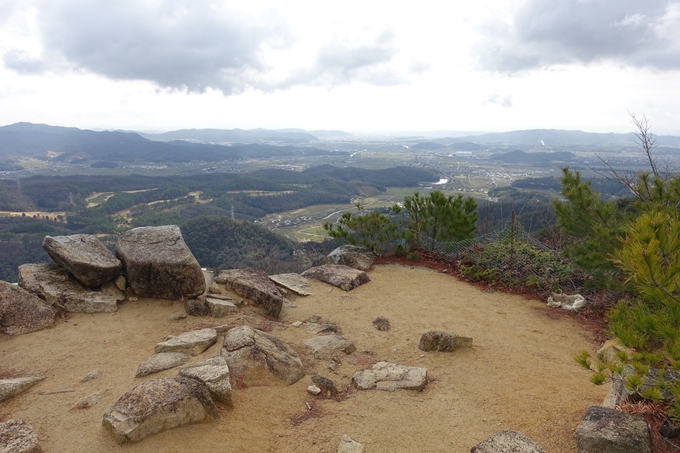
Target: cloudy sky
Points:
x,y
372,66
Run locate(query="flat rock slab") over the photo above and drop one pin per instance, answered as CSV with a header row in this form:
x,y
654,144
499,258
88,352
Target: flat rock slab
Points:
x,y
159,264
192,343
259,358
343,277
605,430
219,308
255,286
12,387
325,345
390,376
22,312
17,436
443,341
349,445
354,256
90,262
214,373
57,287
508,442
162,361
293,282
158,405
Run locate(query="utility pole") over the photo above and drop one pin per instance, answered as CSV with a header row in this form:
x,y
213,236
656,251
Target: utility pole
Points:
x,y
232,212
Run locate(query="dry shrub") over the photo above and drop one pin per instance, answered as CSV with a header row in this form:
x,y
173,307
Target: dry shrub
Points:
x,y
655,415
314,412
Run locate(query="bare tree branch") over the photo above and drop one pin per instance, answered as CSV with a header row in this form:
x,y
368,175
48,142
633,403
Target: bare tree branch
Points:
x,y
645,139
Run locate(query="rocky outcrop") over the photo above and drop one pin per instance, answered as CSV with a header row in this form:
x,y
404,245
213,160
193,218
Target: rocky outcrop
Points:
x,y
349,445
219,308
161,361
325,346
12,387
57,287
158,405
214,373
192,343
354,256
605,430
159,264
17,436
255,286
22,312
508,442
390,376
84,256
260,358
344,277
293,282
442,341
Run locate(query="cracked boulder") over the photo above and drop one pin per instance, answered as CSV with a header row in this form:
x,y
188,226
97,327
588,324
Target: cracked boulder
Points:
x,y
192,343
255,286
22,312
56,286
343,277
259,358
84,256
159,264
354,256
158,405
390,376
214,373
605,430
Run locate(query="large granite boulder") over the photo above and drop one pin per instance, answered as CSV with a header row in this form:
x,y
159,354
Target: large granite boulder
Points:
x,y
390,377
255,286
158,405
159,264
17,436
22,312
192,343
162,361
443,341
508,442
293,282
90,262
259,358
354,256
214,373
605,430
344,277
57,287
14,386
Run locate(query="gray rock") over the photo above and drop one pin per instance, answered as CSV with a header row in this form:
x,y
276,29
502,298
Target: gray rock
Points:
x,y
354,256
89,401
54,285
442,341
344,277
316,328
508,442
219,308
196,307
390,376
91,376
214,373
110,289
220,297
326,385
325,346
313,390
605,430
160,362
260,358
349,445
120,282
159,264
12,387
17,436
192,343
381,323
255,286
22,312
158,405
90,262
293,282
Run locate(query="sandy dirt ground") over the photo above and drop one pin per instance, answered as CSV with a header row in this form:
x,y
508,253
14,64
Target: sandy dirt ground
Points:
x,y
519,374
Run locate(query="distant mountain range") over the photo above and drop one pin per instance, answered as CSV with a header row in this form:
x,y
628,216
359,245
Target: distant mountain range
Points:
x,y
538,158
76,145
245,136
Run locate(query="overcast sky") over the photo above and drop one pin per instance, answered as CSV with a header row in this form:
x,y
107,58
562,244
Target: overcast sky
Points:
x,y
373,66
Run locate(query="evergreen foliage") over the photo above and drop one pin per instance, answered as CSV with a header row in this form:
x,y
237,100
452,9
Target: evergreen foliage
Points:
x,y
372,229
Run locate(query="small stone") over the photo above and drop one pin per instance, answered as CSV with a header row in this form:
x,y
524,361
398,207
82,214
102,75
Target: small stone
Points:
x,y
382,324
333,365
297,324
313,389
91,376
349,445
326,385
178,317
89,401
443,341
17,436
120,282
160,362
196,307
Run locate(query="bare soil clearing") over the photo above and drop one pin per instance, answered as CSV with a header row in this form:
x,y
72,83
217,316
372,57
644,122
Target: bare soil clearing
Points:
x,y
519,374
